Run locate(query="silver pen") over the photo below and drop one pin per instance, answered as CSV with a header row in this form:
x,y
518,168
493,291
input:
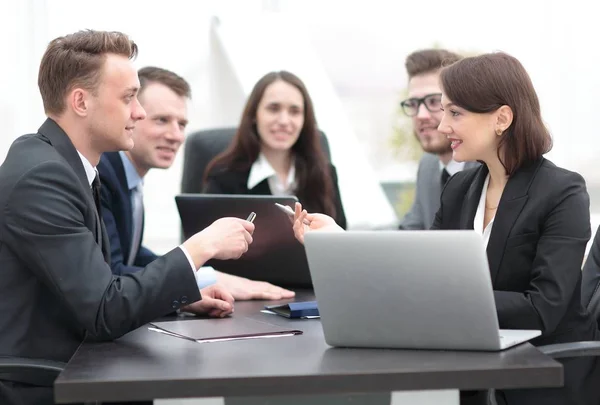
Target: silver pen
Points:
x,y
291,213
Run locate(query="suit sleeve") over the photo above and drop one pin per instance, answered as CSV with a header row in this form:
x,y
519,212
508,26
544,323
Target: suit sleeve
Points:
x,y
117,261
339,208
45,224
556,268
413,219
144,257
437,220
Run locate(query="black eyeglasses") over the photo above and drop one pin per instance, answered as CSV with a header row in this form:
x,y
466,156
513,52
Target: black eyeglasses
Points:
x,y
433,103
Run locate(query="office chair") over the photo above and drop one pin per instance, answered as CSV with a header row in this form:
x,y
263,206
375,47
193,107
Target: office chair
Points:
x,y
30,371
202,146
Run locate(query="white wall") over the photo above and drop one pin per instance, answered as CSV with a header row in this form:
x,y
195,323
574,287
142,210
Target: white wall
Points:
x,y
241,63
22,27
361,44
175,39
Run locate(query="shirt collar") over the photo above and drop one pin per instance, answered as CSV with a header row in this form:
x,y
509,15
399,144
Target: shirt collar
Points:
x,y
261,169
90,171
133,178
452,167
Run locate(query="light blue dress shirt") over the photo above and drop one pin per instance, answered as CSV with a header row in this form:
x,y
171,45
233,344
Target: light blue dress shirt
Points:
x,y
206,275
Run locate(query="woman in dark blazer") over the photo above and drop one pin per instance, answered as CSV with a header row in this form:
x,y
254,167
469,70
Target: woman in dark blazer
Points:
x,y
277,151
533,216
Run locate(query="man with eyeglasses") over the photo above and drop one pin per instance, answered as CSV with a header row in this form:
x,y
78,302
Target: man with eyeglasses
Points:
x,y
423,105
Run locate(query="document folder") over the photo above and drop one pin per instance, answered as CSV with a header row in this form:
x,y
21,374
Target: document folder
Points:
x,y
306,309
220,330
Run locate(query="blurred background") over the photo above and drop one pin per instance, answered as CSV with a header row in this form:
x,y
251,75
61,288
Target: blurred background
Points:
x,y
351,56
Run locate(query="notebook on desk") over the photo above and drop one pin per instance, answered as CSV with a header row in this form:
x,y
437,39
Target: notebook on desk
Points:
x,y
220,330
407,298
296,310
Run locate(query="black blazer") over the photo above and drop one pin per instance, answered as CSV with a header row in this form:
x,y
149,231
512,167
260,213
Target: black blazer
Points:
x,y
535,253
55,286
591,277
221,181
117,214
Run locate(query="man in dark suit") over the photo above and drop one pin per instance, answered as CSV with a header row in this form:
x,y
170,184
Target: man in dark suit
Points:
x,y
56,287
163,95
424,107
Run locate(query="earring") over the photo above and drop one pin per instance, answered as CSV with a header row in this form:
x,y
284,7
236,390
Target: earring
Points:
x,y
498,132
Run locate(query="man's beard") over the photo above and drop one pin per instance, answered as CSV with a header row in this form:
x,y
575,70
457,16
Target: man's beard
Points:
x,y
436,149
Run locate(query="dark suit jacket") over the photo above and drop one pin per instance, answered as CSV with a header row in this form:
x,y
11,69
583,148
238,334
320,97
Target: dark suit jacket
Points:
x,y
591,277
117,213
232,182
535,252
56,287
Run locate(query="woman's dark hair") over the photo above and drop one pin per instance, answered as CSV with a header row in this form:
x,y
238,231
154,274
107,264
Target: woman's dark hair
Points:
x,y
314,186
482,84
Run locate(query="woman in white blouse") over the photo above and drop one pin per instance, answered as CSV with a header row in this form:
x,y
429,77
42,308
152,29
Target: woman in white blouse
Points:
x,y
277,150
533,215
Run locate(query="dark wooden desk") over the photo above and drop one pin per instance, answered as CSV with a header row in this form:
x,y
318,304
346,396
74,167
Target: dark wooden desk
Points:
x,y
145,365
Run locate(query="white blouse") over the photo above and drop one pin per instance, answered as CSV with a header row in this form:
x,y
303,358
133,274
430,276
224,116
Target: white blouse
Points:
x,y
480,214
262,169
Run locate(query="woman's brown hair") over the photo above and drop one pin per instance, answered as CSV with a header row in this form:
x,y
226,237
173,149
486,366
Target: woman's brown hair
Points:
x,y
314,186
484,83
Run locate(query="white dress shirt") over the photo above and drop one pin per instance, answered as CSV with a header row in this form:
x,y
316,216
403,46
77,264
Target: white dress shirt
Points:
x,y
90,171
261,169
452,167
480,215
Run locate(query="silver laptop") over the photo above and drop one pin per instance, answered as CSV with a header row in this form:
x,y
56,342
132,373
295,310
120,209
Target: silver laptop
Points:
x,y
406,290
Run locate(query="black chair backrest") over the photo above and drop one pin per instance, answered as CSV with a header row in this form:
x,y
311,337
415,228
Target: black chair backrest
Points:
x,y
202,146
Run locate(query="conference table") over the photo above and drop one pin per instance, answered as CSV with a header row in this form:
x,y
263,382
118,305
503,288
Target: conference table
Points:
x,y
146,365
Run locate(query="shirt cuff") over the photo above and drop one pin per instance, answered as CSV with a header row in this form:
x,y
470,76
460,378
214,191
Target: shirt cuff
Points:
x,y
185,252
206,276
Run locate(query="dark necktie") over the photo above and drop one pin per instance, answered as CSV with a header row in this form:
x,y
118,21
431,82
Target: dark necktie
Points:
x,y
445,176
96,192
101,237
